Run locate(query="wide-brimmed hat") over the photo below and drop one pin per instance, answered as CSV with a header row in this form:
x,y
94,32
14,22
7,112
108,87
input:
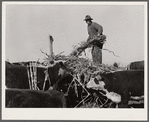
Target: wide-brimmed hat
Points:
x,y
88,17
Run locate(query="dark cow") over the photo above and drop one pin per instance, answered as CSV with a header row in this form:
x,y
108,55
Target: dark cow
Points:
x,y
74,96
124,83
138,65
25,98
16,76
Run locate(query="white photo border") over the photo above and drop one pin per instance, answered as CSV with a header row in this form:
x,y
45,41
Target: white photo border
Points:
x,y
81,113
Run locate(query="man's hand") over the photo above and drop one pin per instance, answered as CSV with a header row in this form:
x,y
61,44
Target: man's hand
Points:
x,y
98,34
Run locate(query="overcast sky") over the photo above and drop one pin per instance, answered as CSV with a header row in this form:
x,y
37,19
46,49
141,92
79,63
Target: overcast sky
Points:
x,y
28,28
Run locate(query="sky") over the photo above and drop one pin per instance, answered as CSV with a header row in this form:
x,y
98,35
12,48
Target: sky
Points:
x,y
28,26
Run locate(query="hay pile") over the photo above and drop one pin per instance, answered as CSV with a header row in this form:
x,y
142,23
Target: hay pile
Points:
x,y
96,40
82,66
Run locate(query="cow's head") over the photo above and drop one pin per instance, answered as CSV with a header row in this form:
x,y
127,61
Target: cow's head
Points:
x,y
99,84
56,71
63,70
96,83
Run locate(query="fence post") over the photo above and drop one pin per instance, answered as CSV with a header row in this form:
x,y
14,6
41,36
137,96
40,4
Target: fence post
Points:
x,y
51,48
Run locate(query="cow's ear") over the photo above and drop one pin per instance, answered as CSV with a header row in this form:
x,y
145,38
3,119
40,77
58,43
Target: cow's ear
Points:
x,y
51,62
61,64
96,81
102,77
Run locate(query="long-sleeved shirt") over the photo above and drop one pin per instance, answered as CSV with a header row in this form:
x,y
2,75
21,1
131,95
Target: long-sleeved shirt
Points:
x,y
94,29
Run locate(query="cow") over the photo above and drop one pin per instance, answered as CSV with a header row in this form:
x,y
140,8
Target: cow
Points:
x,y
17,77
74,96
26,98
138,65
123,83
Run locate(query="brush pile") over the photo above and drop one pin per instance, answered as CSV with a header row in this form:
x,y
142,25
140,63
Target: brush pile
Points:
x,y
82,66
96,40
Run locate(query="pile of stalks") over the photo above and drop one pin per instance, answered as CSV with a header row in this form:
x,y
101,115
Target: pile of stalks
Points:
x,y
82,66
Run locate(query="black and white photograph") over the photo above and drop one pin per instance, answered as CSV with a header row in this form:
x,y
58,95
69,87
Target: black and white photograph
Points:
x,y
74,60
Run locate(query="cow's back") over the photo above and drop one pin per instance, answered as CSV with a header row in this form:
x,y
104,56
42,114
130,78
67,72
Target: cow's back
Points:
x,y
132,81
138,65
16,98
16,77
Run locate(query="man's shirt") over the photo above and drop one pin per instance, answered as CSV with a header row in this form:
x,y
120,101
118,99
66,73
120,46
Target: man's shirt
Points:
x,y
94,29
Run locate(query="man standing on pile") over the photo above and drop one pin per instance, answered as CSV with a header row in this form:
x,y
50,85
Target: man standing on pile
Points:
x,y
95,31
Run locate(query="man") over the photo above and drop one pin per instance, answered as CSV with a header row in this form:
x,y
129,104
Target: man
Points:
x,y
95,31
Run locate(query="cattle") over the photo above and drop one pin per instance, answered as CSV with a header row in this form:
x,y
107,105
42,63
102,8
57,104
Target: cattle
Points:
x,y
17,77
26,98
138,65
123,83
59,75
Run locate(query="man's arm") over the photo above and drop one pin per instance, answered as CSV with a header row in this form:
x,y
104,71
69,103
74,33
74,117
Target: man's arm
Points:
x,y
88,38
99,28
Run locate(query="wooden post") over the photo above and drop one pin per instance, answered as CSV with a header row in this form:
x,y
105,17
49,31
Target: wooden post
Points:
x,y
51,48
29,77
97,54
